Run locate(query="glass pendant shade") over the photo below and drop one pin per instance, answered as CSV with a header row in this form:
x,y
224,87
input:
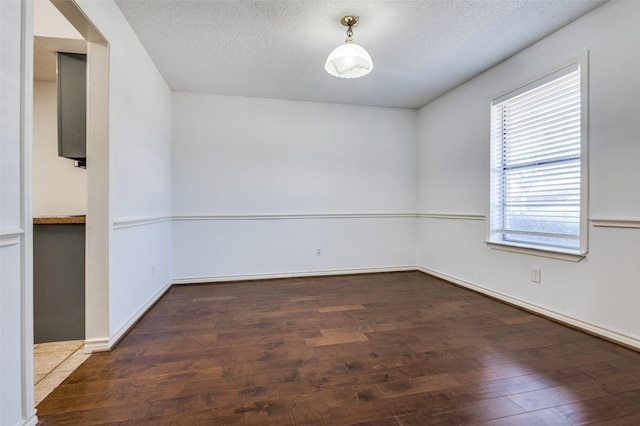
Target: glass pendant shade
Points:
x,y
349,61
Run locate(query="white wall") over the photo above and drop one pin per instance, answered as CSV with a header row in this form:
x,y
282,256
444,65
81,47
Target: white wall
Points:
x,y
49,22
139,169
136,155
59,188
259,184
600,292
16,298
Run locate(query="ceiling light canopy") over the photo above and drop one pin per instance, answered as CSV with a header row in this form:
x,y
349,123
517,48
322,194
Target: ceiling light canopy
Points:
x,y
349,60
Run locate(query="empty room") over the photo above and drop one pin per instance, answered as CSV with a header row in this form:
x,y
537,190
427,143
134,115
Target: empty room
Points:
x,y
323,212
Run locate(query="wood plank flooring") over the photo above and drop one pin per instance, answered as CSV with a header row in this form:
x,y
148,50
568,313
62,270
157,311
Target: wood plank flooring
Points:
x,y
377,349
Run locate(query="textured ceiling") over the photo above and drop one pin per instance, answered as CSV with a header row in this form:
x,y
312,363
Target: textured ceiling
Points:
x,y
277,49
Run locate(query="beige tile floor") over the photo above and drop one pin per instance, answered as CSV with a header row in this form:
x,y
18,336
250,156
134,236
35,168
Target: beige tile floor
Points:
x,y
53,362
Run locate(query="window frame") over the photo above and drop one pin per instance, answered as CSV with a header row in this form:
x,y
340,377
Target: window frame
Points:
x,y
494,239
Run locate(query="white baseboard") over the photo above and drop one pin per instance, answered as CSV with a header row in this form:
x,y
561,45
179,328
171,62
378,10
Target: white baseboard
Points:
x,y
96,345
124,329
106,344
31,421
248,277
588,327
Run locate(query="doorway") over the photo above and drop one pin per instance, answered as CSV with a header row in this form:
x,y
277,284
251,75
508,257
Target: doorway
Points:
x,y
60,26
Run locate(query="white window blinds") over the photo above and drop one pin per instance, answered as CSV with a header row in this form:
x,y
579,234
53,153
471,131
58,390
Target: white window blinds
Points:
x,y
536,136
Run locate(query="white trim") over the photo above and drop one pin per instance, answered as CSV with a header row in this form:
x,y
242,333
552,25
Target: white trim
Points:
x,y
98,216
128,223
96,345
615,223
10,237
559,69
248,277
595,329
124,328
494,236
453,216
537,82
294,216
31,421
584,155
535,251
27,388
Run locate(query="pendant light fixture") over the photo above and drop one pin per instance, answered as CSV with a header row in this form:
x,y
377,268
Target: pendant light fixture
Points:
x,y
349,60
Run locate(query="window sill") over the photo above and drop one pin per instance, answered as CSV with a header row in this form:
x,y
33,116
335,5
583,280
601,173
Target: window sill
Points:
x,y
570,257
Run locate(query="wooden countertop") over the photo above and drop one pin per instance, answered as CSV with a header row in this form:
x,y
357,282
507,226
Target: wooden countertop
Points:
x,y
59,220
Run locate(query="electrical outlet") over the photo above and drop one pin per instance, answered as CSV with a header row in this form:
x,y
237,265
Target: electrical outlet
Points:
x,y
153,269
318,252
535,274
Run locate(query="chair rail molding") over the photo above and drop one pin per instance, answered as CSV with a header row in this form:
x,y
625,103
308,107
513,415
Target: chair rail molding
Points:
x,y
615,222
140,221
452,216
290,216
10,237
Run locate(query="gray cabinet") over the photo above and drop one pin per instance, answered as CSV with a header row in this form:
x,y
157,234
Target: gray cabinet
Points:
x,y
58,282
72,106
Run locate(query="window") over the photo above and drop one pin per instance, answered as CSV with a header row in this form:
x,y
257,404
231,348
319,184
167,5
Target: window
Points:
x,y
538,164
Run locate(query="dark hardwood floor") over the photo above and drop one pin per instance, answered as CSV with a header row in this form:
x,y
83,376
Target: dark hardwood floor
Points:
x,y
380,349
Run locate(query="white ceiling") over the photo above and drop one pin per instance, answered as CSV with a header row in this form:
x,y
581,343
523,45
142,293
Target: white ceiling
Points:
x,y
277,49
